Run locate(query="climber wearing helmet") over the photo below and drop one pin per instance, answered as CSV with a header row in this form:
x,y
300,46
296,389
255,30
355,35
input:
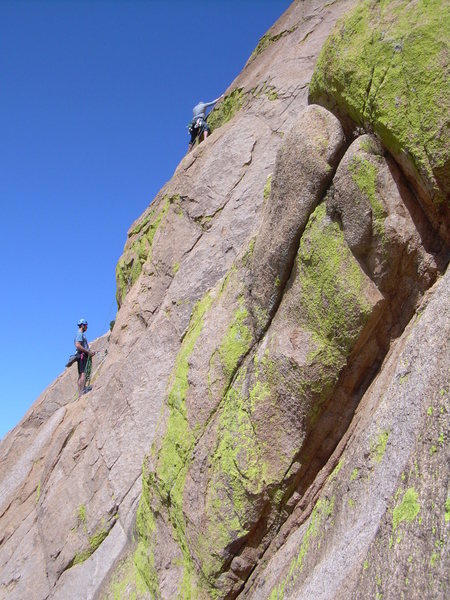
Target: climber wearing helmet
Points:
x,y
85,354
198,127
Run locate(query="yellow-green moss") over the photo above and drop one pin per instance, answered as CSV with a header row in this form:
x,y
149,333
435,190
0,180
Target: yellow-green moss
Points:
x,y
81,515
258,393
233,346
237,477
127,582
166,485
378,446
226,109
267,188
178,438
331,287
407,510
267,40
94,543
384,65
261,315
249,252
267,89
336,470
334,308
434,559
364,174
236,341
130,264
447,509
264,42
322,511
239,474
143,558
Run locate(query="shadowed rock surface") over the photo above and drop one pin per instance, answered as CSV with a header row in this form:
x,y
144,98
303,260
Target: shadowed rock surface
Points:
x,y
269,416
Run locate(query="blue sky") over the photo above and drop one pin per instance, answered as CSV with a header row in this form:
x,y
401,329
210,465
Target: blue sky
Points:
x,y
94,101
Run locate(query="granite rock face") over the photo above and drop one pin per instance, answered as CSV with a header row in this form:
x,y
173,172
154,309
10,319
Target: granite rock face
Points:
x,y
386,68
269,416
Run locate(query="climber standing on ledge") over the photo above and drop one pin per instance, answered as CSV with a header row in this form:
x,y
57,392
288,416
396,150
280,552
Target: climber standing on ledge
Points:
x,y
198,127
84,360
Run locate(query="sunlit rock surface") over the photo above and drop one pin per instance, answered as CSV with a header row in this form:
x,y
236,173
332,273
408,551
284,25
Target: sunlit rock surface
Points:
x,y
269,415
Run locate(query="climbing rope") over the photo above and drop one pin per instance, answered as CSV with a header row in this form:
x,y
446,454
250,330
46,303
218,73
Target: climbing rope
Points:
x,y
87,371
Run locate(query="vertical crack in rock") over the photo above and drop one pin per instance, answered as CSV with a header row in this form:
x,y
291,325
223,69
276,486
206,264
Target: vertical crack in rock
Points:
x,y
316,141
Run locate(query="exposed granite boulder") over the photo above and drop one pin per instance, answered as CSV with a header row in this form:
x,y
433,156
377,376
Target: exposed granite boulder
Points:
x,y
376,522
386,68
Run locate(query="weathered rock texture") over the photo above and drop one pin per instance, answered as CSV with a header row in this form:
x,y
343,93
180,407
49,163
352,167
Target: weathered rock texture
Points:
x,y
386,68
269,416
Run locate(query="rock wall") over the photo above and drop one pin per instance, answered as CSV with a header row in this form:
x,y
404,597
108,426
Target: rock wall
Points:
x,y
269,416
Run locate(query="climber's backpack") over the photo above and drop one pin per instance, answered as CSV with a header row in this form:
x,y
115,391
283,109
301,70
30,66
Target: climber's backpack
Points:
x,y
73,358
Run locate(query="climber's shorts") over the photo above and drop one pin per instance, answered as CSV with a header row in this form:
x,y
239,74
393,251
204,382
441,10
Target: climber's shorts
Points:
x,y
82,363
198,127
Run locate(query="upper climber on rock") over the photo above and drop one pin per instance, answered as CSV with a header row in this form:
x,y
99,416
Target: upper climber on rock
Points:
x,y
198,126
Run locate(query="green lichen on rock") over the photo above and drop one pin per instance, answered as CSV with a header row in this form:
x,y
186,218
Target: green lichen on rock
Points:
x,y
179,438
267,40
226,109
378,446
407,509
364,174
334,306
270,91
267,188
166,484
237,478
126,583
233,345
247,257
386,67
241,479
81,516
144,558
130,264
94,543
321,512
265,88
336,470
236,341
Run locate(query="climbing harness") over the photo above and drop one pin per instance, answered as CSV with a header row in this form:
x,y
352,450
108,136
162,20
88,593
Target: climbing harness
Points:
x,y
91,377
196,128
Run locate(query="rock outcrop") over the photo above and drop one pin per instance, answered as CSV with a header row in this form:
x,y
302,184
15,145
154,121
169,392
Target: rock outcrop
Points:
x,y
269,416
